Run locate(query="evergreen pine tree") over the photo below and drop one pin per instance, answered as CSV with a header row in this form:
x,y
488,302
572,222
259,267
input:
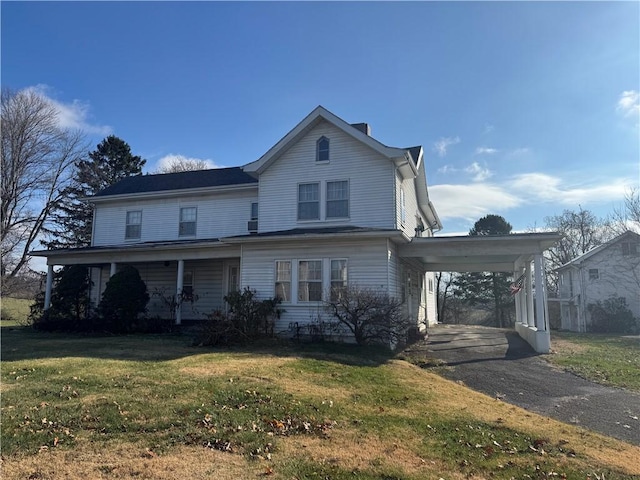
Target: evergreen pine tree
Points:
x,y
108,164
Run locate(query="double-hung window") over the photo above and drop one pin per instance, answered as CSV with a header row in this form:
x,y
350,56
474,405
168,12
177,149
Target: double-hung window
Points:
x,y
133,229
308,201
310,280
594,274
403,207
338,278
283,280
337,199
629,248
188,216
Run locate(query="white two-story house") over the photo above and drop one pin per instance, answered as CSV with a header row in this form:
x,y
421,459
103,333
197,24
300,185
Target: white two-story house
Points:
x,y
326,206
609,270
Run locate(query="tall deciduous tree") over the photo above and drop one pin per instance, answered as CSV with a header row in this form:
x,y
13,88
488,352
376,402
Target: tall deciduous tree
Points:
x,y
488,289
627,217
109,163
37,160
581,231
179,164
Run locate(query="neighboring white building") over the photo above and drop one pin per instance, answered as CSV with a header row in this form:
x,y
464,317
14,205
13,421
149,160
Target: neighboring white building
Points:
x,y
609,270
328,205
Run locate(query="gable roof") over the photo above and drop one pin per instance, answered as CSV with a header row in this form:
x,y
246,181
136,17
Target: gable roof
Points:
x,y
317,115
628,235
218,177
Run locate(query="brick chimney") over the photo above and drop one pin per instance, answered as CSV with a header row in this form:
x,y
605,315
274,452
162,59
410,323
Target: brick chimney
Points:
x,y
363,127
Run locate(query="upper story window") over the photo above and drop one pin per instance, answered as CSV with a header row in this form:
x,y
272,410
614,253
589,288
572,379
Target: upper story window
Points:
x,y
629,248
322,149
403,206
594,274
337,199
133,229
308,201
188,216
254,211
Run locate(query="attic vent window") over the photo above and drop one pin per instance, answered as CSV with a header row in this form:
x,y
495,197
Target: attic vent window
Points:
x,y
629,248
322,149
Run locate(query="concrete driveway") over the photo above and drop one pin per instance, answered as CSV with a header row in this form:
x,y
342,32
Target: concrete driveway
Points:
x,y
499,363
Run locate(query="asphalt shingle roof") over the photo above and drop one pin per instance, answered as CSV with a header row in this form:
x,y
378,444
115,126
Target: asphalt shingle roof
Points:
x,y
217,177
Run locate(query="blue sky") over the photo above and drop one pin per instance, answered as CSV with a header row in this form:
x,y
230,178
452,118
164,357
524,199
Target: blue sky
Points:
x,y
523,109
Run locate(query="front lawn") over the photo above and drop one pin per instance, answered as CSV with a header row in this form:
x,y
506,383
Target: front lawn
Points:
x,y
80,407
608,359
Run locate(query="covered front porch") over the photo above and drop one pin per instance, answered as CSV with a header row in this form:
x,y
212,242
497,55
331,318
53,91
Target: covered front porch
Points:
x,y
185,280
519,254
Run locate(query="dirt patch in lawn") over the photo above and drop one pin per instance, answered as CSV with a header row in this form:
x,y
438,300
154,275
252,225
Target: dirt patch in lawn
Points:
x,y
129,461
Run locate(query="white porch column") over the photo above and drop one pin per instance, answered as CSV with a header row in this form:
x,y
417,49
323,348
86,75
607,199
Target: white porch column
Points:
x,y
518,298
179,285
529,289
541,320
49,285
112,271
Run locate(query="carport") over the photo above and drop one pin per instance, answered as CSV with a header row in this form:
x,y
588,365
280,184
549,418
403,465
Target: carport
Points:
x,y
520,254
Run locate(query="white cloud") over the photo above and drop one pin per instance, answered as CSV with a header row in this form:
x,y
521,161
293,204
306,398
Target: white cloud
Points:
x,y
540,187
74,115
471,202
629,103
486,151
519,152
441,146
172,159
479,173
448,169
488,129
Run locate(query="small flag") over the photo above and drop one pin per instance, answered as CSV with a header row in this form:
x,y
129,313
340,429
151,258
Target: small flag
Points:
x,y
517,284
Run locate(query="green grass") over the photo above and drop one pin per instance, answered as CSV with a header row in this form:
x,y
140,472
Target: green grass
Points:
x,y
608,359
301,411
14,311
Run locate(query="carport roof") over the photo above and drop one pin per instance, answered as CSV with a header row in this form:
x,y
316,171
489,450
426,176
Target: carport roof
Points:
x,y
482,253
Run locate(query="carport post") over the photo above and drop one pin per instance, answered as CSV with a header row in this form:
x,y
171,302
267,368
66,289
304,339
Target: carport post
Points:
x,y
529,288
112,269
541,324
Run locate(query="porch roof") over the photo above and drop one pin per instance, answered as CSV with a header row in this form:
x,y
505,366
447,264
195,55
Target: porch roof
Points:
x,y
144,251
482,253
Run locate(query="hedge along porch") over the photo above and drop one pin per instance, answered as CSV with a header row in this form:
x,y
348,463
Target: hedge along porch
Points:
x,y
519,254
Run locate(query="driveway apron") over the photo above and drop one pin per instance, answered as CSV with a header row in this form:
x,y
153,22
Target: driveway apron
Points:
x,y
499,363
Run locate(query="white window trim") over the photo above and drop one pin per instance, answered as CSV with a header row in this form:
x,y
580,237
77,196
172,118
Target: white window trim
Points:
x,y
195,222
326,199
403,206
322,281
307,220
323,137
291,280
126,220
295,280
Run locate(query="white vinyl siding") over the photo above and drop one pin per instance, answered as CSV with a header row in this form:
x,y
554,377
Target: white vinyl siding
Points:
x,y
370,176
407,207
366,264
217,217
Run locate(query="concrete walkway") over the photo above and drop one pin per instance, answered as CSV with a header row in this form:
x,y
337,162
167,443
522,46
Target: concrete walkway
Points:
x,y
499,363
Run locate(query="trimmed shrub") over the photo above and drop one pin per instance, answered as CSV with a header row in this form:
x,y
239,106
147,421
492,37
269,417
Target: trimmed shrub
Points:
x,y
248,319
612,316
124,300
70,309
